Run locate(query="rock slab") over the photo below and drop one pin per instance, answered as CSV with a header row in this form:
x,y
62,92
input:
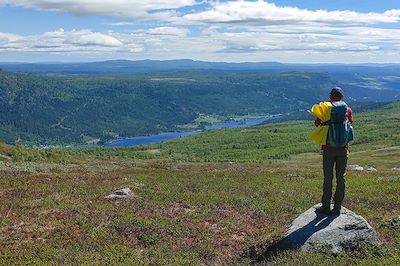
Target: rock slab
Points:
x,y
313,232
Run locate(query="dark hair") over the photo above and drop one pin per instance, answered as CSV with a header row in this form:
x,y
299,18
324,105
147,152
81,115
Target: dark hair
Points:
x,y
336,94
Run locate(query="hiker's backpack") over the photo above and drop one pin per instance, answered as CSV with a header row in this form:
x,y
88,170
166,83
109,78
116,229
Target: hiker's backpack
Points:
x,y
340,131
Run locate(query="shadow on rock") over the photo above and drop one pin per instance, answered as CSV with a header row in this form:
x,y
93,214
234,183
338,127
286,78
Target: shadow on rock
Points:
x,y
292,241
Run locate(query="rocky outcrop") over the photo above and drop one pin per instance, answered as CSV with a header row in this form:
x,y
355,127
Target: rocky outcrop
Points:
x,y
313,232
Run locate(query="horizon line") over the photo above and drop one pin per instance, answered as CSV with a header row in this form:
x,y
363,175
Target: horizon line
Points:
x,y
200,61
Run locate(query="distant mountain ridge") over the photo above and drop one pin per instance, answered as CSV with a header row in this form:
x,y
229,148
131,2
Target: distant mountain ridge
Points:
x,y
127,66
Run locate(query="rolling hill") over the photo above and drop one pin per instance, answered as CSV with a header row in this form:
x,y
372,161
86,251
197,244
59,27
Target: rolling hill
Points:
x,y
37,109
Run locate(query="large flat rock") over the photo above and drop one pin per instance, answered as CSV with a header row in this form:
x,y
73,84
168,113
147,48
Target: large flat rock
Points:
x,y
313,232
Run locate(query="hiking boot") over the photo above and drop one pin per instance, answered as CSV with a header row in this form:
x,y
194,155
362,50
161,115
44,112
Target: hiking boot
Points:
x,y
336,210
323,210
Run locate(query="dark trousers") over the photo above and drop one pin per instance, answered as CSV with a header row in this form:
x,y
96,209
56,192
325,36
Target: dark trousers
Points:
x,y
334,159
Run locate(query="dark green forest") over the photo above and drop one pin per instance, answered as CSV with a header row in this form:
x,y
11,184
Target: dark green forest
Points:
x,y
67,109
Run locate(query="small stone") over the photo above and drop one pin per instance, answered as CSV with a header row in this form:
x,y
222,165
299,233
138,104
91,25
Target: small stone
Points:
x,y
371,169
356,167
124,193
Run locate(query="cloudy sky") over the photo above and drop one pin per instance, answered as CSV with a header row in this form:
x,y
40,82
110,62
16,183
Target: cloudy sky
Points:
x,y
306,31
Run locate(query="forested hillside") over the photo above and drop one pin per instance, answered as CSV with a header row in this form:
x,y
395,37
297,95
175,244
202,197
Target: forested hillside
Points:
x,y
73,109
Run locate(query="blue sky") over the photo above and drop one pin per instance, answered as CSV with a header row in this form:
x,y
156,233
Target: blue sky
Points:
x,y
295,31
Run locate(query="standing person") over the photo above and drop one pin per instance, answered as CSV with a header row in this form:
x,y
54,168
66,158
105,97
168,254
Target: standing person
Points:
x,y
336,150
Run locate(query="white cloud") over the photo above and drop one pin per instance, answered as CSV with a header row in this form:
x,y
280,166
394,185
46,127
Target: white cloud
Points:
x,y
247,42
121,23
169,41
60,41
7,37
134,48
264,13
173,31
83,38
284,43
243,12
224,31
138,9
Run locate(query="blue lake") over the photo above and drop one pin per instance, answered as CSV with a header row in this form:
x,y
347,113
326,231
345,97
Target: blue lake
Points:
x,y
135,141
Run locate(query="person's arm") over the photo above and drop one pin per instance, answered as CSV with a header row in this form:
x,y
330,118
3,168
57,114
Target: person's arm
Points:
x,y
350,115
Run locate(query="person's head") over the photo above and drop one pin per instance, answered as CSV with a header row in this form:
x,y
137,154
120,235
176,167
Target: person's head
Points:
x,y
336,94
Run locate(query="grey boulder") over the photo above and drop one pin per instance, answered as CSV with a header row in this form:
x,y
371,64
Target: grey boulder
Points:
x,y
313,232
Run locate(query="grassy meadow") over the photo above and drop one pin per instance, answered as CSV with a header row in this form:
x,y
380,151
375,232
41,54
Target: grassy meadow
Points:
x,y
218,198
